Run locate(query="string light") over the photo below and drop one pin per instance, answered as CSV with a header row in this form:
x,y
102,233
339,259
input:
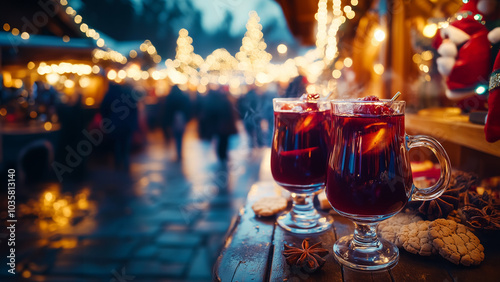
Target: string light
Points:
x,y
252,64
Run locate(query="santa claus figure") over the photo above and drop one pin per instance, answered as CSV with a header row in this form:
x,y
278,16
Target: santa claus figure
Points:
x,y
466,56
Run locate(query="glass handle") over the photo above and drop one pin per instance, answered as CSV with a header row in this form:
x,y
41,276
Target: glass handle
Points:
x,y
436,190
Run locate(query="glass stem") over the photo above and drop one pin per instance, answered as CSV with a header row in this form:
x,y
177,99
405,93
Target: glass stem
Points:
x,y
303,212
365,234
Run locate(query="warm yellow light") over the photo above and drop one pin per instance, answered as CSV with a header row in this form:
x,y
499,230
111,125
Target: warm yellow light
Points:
x,y
84,82
3,112
336,74
48,127
15,31
311,89
96,69
157,59
183,32
52,78
417,59
132,54
100,42
201,88
6,26
143,47
339,64
122,74
26,274
89,101
223,79
84,27
69,10
25,35
348,62
66,211
18,83
78,19
65,38
31,65
282,49
430,30
33,114
427,55
204,81
91,33
69,83
64,2
354,2
378,69
111,74
379,35
151,49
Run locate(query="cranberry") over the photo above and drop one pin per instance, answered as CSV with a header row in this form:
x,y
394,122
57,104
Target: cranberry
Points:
x,y
370,98
373,109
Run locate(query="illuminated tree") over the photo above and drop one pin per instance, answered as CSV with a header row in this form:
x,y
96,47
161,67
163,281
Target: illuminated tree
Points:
x,y
252,56
185,57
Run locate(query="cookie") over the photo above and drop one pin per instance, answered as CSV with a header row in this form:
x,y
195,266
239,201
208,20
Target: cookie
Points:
x,y
415,238
455,242
389,228
268,206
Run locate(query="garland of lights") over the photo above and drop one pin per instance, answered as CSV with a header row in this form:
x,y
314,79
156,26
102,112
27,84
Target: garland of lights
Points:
x,y
250,65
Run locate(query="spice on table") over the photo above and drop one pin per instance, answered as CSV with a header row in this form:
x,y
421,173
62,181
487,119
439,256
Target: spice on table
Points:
x,y
481,211
309,258
450,200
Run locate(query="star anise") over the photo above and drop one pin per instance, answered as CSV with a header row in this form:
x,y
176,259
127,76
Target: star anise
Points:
x,y
309,258
441,206
450,200
481,211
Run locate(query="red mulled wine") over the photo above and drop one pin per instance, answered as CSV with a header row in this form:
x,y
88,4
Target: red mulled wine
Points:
x,y
369,173
300,146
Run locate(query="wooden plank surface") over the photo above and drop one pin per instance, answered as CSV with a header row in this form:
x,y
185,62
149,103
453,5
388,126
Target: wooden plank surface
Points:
x,y
453,128
254,252
247,248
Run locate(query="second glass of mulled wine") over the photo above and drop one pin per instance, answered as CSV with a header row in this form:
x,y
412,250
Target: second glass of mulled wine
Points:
x,y
369,177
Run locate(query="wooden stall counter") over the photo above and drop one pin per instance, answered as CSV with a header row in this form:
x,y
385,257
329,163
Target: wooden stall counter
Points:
x,y
254,247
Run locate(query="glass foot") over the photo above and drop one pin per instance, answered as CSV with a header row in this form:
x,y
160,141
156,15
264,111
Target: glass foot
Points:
x,y
296,225
378,256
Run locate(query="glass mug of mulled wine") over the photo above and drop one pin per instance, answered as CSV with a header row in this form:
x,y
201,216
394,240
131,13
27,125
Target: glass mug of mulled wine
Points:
x,y
369,177
299,157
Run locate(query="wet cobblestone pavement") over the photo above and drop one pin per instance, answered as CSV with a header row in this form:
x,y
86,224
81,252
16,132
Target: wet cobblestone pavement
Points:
x,y
165,221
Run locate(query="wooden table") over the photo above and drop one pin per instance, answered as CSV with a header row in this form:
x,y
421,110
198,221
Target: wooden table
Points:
x,y
253,251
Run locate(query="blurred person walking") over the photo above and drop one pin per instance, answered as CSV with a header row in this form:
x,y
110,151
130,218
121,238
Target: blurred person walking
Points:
x,y
120,107
177,113
220,118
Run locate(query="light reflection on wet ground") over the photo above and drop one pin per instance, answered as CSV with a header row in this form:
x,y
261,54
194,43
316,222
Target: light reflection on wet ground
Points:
x,y
165,221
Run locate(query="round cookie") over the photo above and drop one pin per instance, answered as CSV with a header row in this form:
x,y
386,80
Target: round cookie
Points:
x,y
389,228
268,206
455,242
414,237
